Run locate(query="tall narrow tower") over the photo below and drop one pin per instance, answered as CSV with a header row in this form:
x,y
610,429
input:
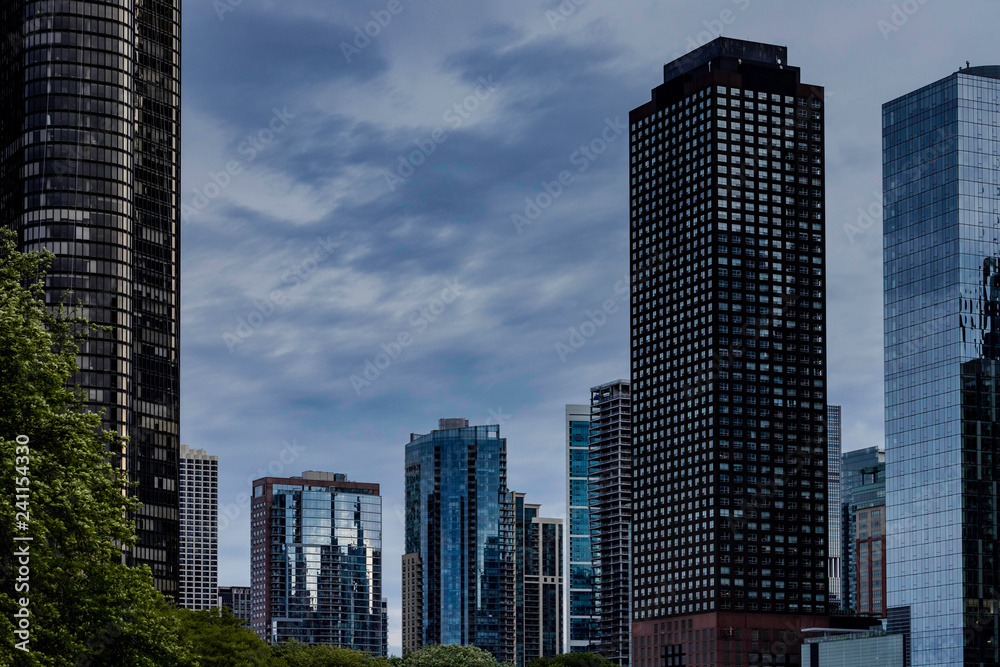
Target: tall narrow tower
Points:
x,y
90,170
729,555
941,184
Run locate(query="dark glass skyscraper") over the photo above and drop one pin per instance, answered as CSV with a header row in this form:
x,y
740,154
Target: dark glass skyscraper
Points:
x,y
459,561
941,184
538,582
863,520
729,557
316,562
90,170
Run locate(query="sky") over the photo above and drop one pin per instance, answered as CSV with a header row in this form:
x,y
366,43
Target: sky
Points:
x,y
375,235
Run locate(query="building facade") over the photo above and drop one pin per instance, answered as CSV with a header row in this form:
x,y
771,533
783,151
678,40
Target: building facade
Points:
x,y
237,599
581,611
316,562
538,576
941,176
863,519
459,559
90,125
835,557
611,516
730,504
853,649
199,506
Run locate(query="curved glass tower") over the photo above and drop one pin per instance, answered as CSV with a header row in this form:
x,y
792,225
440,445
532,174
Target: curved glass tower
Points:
x,y
89,169
941,184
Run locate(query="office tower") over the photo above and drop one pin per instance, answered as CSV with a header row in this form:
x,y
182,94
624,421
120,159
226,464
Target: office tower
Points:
x,y
538,576
238,600
581,613
90,124
835,556
199,498
863,512
728,360
459,546
941,233
316,561
611,515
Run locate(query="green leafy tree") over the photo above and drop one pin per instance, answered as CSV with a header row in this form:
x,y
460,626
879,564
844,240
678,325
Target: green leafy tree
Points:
x,y
297,654
216,638
574,659
79,603
450,655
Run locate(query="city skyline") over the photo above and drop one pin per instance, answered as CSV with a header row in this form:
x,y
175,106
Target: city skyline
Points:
x,y
284,219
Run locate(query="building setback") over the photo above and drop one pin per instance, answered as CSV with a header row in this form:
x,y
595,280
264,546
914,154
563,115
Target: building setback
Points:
x,y
611,516
459,559
580,591
316,562
730,499
90,125
941,233
199,499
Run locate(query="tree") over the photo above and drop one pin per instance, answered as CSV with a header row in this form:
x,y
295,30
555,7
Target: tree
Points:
x,y
78,604
450,655
574,659
216,638
297,654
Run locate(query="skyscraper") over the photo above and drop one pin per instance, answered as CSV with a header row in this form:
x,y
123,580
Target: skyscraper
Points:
x,y
730,504
458,565
611,516
538,576
238,599
863,511
940,180
835,557
199,498
580,580
90,124
316,561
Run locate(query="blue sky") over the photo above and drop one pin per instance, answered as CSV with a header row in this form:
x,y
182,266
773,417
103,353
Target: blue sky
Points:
x,y
383,229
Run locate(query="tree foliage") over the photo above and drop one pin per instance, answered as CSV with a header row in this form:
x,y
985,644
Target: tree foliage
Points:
x,y
574,659
84,607
450,655
297,654
216,638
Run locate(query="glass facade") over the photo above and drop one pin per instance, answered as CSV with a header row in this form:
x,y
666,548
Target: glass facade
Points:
x,y
90,125
863,490
941,184
316,562
460,534
580,591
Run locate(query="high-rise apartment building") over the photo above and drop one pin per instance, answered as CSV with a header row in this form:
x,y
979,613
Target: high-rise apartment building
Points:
x,y
538,577
199,505
730,499
863,520
611,516
316,561
90,170
941,232
580,580
835,557
237,599
459,558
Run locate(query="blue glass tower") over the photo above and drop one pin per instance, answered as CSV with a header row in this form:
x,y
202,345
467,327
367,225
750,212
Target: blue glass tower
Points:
x,y
941,183
583,619
459,556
